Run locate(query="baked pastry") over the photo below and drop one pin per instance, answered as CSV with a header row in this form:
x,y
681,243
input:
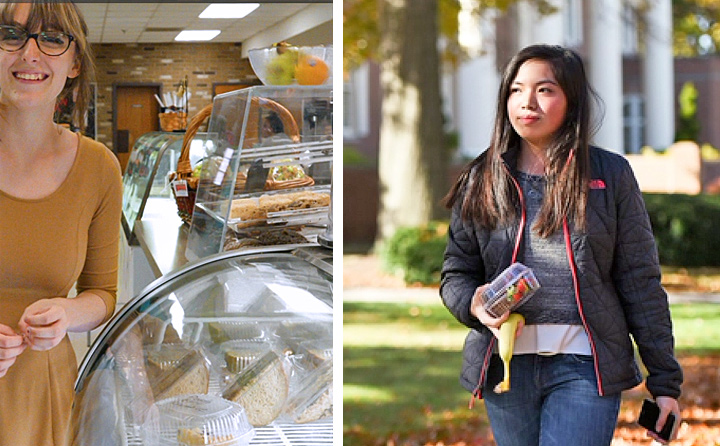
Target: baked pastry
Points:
x,y
174,371
261,389
308,199
225,331
240,354
247,209
294,201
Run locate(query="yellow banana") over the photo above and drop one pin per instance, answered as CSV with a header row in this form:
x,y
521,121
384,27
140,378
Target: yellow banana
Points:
x,y
506,344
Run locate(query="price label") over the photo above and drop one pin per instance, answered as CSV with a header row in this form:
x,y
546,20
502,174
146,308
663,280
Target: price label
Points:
x,y
181,188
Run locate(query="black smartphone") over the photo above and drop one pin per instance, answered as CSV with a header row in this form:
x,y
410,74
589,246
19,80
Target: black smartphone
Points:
x,y
648,418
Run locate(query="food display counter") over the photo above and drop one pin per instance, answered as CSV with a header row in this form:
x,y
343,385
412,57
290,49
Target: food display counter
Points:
x,y
233,349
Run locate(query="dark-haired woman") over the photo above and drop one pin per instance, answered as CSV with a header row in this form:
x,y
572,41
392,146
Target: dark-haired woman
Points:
x,y
543,196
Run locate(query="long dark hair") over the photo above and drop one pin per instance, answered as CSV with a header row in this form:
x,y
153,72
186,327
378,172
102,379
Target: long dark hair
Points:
x,y
489,197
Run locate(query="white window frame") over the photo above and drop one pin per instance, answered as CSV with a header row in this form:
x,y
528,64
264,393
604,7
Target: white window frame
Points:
x,y
573,22
633,122
629,30
356,103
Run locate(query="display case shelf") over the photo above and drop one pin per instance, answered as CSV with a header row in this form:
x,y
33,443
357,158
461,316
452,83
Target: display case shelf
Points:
x,y
311,434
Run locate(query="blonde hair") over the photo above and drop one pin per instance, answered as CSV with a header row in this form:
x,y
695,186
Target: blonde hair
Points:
x,y
66,17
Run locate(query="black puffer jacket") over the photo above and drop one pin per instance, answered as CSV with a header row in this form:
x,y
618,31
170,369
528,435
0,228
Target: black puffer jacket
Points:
x,y
617,283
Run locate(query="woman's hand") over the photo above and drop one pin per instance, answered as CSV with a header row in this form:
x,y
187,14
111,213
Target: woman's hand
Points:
x,y
667,405
44,323
493,323
11,345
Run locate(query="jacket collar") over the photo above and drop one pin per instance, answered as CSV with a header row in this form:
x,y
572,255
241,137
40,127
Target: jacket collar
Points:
x,y
510,158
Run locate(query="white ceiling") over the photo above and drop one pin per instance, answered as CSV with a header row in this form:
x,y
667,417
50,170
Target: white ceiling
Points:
x,y
298,23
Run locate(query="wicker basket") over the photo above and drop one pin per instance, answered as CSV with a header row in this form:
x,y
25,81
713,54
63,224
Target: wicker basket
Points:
x,y
186,204
172,121
186,201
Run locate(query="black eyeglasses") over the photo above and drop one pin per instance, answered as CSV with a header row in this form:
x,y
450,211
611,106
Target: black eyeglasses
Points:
x,y
52,43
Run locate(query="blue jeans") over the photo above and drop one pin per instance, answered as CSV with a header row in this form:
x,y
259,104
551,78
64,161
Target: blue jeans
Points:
x,y
553,401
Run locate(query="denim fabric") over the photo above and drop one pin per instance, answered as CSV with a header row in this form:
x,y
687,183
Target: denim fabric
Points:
x,y
553,401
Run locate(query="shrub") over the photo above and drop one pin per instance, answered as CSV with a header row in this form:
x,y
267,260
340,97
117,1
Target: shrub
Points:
x,y
416,252
709,153
688,123
684,228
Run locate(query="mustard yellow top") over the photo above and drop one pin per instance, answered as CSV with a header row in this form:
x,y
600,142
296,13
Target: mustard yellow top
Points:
x,y
46,246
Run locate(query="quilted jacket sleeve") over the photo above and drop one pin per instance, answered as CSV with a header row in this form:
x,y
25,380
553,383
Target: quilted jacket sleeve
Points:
x,y
637,280
462,271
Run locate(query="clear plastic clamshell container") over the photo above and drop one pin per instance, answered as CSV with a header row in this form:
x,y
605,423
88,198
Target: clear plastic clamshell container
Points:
x,y
312,398
239,354
510,289
262,388
191,420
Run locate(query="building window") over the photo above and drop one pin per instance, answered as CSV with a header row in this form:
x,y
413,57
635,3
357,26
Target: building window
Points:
x,y
356,96
633,122
572,22
629,30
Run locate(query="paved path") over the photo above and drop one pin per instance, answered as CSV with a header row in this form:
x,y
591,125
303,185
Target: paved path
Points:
x,y
413,294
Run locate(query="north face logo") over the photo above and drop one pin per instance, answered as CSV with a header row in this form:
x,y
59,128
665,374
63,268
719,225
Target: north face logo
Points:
x,y
597,184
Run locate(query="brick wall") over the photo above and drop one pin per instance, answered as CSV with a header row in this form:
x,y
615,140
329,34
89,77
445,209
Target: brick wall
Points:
x,y
166,63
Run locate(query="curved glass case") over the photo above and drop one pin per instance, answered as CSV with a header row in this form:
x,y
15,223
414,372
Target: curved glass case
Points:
x,y
250,328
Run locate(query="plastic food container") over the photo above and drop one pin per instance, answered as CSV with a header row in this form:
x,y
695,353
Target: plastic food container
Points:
x,y
191,420
316,351
176,370
313,398
510,289
240,354
261,389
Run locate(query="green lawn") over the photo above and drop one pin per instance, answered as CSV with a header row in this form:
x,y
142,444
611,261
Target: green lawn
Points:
x,y
400,370
401,363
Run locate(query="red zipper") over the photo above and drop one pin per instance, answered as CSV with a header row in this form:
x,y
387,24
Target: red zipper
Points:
x,y
576,286
477,392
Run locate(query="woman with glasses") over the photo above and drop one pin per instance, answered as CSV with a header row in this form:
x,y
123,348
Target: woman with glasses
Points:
x,y
60,204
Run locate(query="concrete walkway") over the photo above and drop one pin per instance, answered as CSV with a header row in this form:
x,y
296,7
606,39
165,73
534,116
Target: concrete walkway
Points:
x,y
413,294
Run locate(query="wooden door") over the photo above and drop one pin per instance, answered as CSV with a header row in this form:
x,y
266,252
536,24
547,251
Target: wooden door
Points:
x,y
136,113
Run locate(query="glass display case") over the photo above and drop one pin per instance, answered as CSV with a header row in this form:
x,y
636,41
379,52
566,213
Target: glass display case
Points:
x,y
234,349
268,180
145,186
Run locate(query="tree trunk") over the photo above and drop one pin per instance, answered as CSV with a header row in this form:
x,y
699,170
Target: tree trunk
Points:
x,y
412,161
